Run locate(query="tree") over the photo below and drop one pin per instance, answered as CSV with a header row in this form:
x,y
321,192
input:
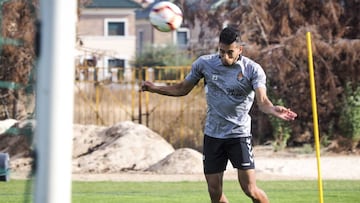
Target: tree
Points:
x,y
168,55
18,31
274,33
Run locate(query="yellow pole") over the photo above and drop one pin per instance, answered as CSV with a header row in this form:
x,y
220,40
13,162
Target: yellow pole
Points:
x,y
97,97
147,77
133,79
315,116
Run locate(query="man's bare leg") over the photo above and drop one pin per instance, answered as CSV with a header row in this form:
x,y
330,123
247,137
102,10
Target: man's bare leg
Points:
x,y
247,181
215,186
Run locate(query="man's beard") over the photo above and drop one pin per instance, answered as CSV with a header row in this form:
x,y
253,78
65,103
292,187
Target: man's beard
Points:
x,y
226,63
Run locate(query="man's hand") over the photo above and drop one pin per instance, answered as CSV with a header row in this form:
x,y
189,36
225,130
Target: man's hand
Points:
x,y
284,113
146,86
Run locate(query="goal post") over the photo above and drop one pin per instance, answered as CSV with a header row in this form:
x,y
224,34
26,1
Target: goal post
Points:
x,y
54,101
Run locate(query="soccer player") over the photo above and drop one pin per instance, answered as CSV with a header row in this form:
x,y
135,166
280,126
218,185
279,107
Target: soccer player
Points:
x,y
232,81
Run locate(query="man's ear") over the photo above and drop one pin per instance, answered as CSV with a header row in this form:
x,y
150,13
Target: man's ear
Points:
x,y
240,49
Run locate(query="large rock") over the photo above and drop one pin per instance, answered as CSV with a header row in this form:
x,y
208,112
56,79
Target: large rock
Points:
x,y
86,138
182,161
124,146
6,125
16,137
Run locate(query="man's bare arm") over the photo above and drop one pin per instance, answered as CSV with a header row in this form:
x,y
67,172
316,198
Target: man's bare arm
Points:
x,y
266,106
176,90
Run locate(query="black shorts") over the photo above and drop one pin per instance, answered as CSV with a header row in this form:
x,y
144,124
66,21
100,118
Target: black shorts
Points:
x,y
217,152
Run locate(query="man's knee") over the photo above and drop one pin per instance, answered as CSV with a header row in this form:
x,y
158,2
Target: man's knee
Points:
x,y
214,182
215,190
256,194
251,191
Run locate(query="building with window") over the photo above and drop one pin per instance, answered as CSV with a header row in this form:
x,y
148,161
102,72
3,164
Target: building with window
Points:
x,y
146,34
107,34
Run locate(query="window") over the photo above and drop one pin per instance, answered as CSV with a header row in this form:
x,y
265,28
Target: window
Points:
x,y
117,70
115,27
141,41
182,37
116,63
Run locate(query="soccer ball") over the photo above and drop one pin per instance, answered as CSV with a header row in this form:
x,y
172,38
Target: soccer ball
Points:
x,y
165,16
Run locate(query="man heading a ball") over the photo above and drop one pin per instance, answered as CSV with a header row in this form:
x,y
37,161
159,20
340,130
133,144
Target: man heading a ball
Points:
x,y
232,82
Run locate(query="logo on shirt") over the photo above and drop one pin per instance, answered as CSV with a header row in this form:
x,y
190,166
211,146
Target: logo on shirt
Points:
x,y
214,77
240,75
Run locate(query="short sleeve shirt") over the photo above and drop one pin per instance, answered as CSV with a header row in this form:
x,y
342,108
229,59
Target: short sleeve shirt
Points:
x,y
229,93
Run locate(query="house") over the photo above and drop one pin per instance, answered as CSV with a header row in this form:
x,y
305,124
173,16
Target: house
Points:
x,y
107,34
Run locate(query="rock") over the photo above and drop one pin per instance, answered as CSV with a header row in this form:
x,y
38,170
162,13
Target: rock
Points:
x,y
16,137
86,138
6,124
182,161
124,146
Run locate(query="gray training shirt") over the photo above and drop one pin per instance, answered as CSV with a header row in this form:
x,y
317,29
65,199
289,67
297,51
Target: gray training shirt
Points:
x,y
229,94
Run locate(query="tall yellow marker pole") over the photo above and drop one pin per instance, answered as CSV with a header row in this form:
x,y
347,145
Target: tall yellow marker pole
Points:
x,y
315,116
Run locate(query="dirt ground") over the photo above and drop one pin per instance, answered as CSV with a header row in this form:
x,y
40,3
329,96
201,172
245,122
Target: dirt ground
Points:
x,y
269,166
132,152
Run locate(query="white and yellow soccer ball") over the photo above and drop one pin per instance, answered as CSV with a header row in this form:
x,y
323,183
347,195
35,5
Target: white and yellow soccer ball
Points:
x,y
166,16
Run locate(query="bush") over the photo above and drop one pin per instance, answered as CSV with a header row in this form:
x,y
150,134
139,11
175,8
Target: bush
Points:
x,y
281,130
350,115
168,55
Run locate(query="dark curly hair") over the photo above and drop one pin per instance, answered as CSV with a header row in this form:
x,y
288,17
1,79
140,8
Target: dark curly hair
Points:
x,y
229,35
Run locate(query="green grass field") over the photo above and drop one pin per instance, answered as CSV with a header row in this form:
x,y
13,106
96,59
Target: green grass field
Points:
x,y
335,191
